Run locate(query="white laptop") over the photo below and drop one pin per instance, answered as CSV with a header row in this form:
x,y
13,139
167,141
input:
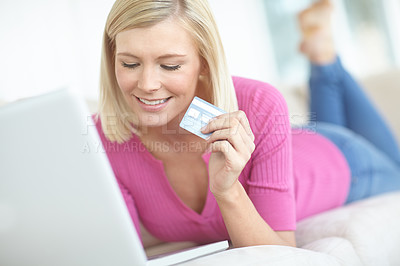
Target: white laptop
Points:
x,y
59,201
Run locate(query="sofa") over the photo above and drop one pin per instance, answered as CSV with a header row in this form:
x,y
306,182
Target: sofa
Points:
x,y
365,233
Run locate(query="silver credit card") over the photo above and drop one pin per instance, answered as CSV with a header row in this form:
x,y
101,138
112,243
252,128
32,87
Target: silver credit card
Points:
x,y
198,115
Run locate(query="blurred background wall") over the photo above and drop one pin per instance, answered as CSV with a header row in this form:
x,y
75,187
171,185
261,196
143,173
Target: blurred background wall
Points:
x,y
50,44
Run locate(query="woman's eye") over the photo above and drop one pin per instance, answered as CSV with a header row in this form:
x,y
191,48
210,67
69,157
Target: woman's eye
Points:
x,y
129,65
169,67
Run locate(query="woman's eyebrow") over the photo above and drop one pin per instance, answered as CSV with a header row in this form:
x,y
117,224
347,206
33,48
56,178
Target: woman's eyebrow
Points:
x,y
171,55
127,54
160,57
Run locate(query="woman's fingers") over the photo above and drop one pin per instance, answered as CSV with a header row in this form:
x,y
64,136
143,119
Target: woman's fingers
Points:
x,y
233,129
229,120
231,143
236,136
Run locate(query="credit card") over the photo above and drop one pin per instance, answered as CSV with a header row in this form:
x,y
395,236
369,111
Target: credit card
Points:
x,y
198,115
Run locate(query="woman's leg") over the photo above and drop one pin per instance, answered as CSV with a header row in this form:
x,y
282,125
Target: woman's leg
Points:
x,y
373,172
336,98
355,126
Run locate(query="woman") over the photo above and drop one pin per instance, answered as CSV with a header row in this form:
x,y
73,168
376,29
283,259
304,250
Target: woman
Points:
x,y
248,181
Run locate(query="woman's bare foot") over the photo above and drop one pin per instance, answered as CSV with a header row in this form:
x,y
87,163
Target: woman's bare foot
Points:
x,y
315,23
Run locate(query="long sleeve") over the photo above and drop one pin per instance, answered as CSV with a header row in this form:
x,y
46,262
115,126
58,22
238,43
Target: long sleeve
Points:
x,y
113,155
270,182
130,204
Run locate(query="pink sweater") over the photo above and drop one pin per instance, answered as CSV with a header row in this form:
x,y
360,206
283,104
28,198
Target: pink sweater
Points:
x,y
291,175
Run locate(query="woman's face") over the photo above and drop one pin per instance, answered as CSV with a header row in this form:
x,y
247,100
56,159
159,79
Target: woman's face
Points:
x,y
157,69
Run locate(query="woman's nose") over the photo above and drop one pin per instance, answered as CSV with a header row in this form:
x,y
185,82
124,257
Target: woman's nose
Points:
x,y
148,80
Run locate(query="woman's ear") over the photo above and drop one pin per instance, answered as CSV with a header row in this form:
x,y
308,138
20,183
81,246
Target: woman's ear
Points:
x,y
205,70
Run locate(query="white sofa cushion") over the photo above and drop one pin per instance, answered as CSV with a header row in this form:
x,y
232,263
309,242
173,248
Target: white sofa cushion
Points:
x,y
338,247
267,255
372,226
362,233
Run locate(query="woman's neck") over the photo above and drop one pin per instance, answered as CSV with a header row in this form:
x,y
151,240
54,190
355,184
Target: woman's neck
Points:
x,y
171,140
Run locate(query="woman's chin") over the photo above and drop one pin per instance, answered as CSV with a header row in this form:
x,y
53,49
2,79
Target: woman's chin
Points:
x,y
167,126
152,121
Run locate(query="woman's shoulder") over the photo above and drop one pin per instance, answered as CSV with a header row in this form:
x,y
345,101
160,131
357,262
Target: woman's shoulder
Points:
x,y
113,147
258,96
248,83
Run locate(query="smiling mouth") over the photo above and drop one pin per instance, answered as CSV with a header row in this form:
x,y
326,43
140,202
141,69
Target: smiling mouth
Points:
x,y
153,102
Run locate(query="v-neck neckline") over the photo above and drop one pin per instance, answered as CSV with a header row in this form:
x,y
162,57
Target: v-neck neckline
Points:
x,y
192,214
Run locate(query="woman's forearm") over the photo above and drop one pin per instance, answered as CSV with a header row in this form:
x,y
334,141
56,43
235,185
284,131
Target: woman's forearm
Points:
x,y
244,224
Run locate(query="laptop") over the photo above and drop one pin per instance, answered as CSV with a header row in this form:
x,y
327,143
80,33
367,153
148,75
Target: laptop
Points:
x,y
59,201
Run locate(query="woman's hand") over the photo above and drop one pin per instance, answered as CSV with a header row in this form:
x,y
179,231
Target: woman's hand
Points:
x,y
231,143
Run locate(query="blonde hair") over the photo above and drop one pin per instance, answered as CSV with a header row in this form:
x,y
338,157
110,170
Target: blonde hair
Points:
x,y
117,120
